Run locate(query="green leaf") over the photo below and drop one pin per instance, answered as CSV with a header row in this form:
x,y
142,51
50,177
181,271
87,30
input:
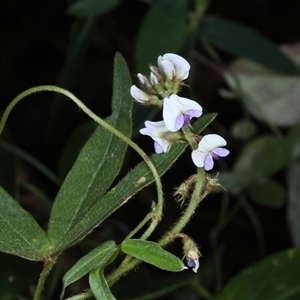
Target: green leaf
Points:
x,y
275,278
153,254
162,31
73,146
241,40
19,232
91,8
293,208
99,256
94,170
99,286
269,193
8,170
98,283
133,182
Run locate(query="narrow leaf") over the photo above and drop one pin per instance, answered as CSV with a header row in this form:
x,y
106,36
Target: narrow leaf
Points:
x,y
95,169
293,208
91,8
97,280
153,254
19,232
241,40
92,260
132,183
99,286
162,31
73,146
274,278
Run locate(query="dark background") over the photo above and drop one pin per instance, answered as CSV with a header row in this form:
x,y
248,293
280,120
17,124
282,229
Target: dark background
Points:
x,y
33,51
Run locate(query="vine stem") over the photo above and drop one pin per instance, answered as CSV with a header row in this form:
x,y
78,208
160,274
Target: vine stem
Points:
x,y
97,119
196,199
92,115
49,263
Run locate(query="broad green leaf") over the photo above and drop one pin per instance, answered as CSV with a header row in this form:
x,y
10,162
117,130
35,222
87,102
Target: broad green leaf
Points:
x,y
132,183
241,40
95,169
153,254
99,286
91,8
99,256
269,193
293,208
8,170
73,146
274,278
19,232
161,31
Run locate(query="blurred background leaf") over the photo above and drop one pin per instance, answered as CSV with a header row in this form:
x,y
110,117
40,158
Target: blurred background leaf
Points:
x,y
275,277
243,41
91,8
293,208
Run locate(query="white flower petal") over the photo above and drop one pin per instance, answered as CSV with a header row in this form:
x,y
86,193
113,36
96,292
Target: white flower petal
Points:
x,y
156,131
141,78
175,106
210,142
198,157
168,68
153,79
189,105
170,113
180,64
138,95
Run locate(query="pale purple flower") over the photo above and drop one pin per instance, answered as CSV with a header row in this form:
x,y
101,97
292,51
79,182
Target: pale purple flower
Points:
x,y
209,148
157,131
178,111
173,66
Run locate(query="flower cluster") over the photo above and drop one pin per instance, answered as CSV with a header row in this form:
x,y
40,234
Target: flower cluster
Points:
x,y
161,88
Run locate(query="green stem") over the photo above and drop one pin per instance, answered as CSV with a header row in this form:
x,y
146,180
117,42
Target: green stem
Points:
x,y
82,296
194,202
45,272
138,227
51,88
171,234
